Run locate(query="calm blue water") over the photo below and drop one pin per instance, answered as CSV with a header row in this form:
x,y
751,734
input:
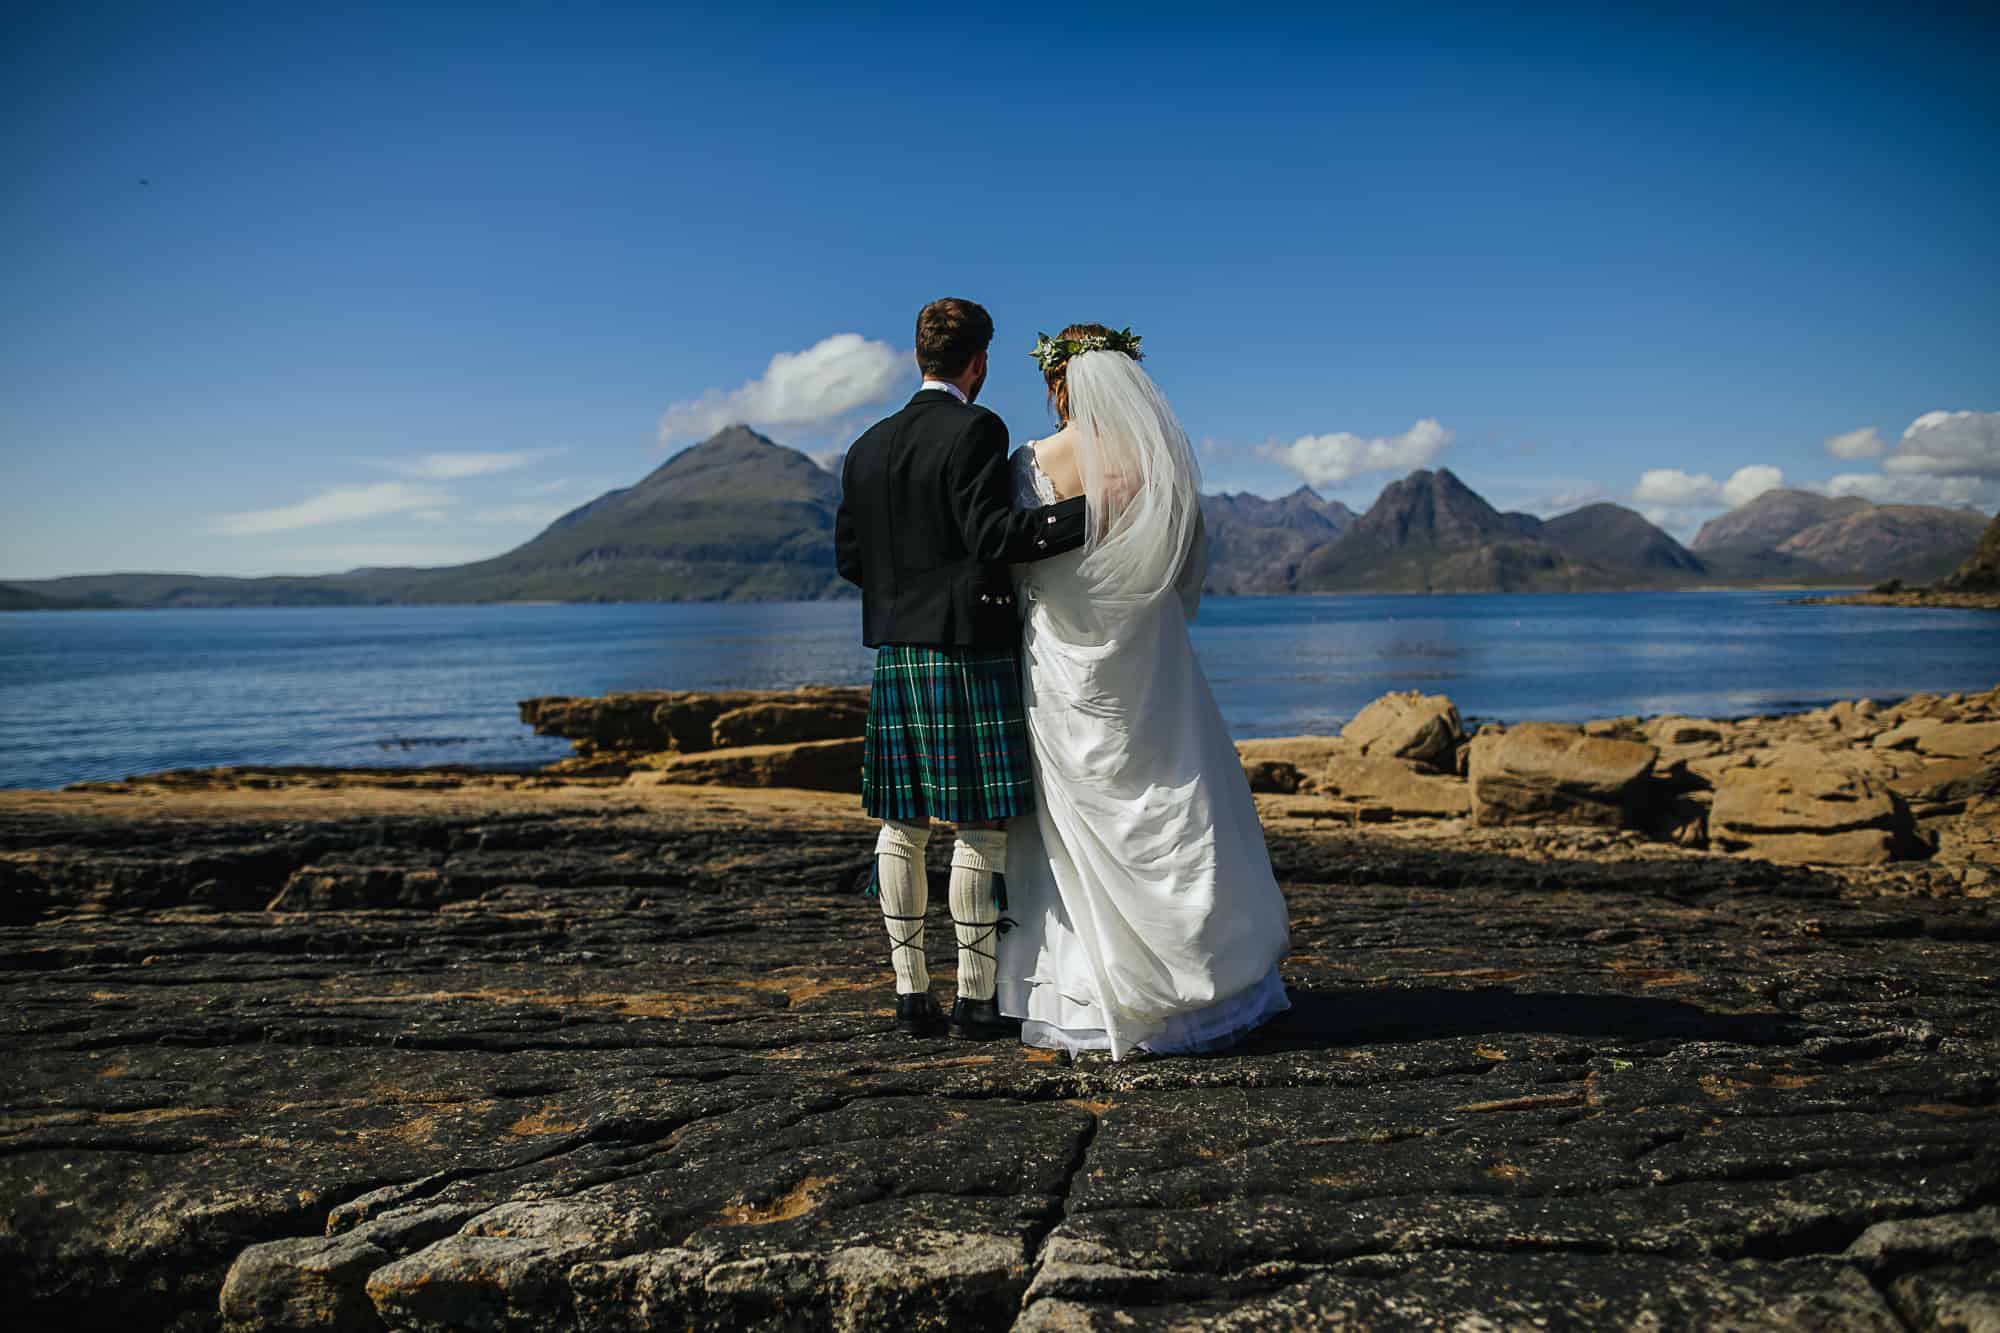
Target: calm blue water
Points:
x,y
103,694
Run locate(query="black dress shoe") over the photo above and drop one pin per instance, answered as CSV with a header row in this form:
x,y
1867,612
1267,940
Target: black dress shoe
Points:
x,y
981,1020
918,1015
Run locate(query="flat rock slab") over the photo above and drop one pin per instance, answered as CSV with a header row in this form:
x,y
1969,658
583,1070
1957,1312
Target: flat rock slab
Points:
x,y
621,1059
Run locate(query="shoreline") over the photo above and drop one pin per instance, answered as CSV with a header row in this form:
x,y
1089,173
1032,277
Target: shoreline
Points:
x,y
816,601
556,767
1906,790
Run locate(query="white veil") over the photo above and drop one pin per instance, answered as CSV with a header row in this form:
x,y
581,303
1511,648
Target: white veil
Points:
x,y
1140,476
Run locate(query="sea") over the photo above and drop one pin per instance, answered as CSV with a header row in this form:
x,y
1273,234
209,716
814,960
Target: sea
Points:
x,y
95,695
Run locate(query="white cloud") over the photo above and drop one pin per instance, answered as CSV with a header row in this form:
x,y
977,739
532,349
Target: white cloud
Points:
x,y
429,515
1545,496
1949,444
1576,497
1747,483
1864,443
1326,460
814,387
544,487
338,504
454,464
829,459
1672,488
1952,492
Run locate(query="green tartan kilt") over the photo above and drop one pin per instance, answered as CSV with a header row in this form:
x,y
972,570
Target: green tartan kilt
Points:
x,y
947,738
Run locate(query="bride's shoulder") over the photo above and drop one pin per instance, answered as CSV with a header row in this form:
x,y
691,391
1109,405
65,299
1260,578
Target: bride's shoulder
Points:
x,y
1053,446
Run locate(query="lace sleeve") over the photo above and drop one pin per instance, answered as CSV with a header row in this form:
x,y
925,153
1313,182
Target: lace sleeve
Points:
x,y
1021,462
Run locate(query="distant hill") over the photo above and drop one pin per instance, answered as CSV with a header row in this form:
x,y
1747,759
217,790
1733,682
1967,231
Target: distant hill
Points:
x,y
1255,544
111,591
1981,570
1771,520
737,517
20,599
1430,532
1617,538
1913,542
1801,536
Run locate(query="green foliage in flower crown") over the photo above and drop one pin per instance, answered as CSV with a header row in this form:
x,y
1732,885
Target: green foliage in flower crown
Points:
x,y
1052,352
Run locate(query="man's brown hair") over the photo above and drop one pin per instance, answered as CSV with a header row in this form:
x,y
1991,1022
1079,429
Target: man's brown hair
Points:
x,y
950,333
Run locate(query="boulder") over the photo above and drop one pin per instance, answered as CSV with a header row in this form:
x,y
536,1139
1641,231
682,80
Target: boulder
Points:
x,y
1672,730
1854,719
1960,740
790,723
1973,841
1307,754
1906,735
1949,784
1709,769
1271,776
1397,786
1547,773
1805,807
1424,728
657,721
833,765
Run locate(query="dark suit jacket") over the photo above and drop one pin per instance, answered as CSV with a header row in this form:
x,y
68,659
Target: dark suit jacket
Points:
x,y
927,527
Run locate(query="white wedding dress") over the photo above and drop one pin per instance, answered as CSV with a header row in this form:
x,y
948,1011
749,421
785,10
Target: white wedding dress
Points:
x,y
1146,914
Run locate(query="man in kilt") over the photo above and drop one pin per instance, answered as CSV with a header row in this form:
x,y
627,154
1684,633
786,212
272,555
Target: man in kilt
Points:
x,y
927,527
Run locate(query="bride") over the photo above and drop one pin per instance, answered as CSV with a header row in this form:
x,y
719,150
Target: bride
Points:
x,y
1146,916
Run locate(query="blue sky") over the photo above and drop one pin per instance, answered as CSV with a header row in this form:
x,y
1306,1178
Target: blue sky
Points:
x,y
296,288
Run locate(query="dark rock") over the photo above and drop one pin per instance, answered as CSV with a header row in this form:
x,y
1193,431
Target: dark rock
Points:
x,y
687,721
628,1063
1271,775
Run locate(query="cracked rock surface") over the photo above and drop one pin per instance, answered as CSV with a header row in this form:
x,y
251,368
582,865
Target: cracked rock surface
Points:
x,y
616,1059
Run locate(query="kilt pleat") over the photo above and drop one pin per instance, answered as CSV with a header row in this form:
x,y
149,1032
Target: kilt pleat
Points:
x,y
946,736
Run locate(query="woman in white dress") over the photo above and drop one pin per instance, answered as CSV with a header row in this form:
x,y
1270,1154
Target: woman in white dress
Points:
x,y
1145,913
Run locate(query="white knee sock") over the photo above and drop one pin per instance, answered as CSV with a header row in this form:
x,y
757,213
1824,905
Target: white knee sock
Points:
x,y
899,875
979,856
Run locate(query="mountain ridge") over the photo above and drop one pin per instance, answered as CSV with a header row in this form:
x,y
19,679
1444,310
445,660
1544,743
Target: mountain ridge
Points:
x,y
741,517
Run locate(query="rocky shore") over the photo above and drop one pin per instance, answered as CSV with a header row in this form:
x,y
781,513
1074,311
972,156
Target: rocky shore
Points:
x,y
608,1048
1933,597
1913,782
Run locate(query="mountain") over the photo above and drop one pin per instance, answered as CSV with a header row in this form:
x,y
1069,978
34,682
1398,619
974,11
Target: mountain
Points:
x,y
20,599
109,591
1914,542
1981,570
737,517
1799,536
1614,536
1430,532
1255,544
1772,519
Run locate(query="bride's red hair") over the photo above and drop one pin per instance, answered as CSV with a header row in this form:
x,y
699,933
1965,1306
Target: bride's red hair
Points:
x,y
1058,374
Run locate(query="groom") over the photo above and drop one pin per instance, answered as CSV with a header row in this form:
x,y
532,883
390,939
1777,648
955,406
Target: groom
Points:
x,y
927,528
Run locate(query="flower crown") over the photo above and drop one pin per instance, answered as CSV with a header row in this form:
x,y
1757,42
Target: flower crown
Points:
x,y
1052,352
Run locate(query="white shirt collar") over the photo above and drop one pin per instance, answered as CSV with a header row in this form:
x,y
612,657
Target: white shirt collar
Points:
x,y
951,389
